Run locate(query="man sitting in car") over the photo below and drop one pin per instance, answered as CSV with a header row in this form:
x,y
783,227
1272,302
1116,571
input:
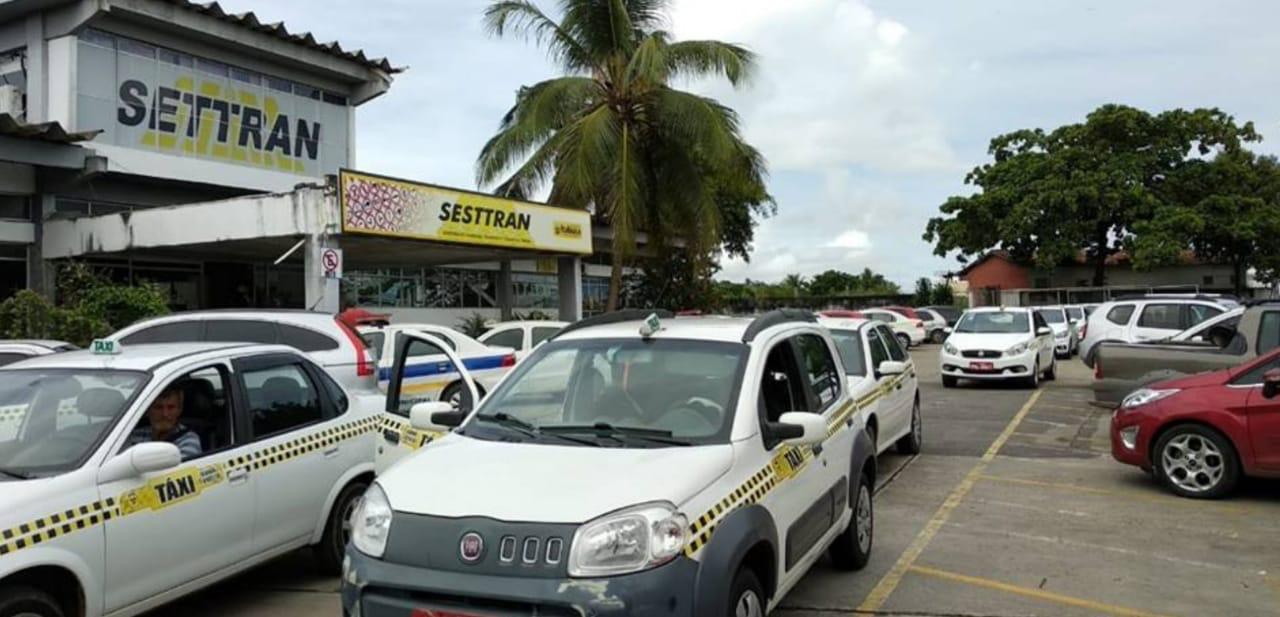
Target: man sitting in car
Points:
x,y
163,417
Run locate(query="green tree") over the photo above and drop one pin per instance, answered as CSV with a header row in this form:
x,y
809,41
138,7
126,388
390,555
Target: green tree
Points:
x,y
924,292
613,134
90,306
942,295
1226,210
1046,196
795,285
832,283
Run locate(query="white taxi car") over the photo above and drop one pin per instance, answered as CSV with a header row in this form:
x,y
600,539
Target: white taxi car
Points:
x,y
433,375
882,381
523,336
997,343
1065,340
909,332
131,478
692,466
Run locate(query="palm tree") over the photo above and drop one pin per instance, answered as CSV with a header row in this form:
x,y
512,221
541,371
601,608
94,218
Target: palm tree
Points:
x,y
612,134
796,284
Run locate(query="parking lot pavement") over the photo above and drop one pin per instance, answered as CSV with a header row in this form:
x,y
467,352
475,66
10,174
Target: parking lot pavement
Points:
x,y
1014,508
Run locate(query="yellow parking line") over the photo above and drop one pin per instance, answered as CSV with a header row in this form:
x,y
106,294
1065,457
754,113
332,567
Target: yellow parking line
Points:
x,y
1164,499
1038,594
883,589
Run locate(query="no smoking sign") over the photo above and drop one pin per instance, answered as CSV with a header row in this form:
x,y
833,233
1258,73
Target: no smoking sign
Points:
x,y
331,263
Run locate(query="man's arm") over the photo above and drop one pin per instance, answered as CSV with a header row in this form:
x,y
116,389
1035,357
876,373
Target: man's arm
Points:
x,y
189,445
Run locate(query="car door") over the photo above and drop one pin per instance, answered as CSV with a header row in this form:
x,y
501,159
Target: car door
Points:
x,y
178,525
1043,342
1157,320
397,438
1263,416
897,398
877,404
298,451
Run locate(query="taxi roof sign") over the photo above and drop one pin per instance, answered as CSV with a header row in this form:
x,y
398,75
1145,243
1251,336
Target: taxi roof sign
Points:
x,y
105,346
651,324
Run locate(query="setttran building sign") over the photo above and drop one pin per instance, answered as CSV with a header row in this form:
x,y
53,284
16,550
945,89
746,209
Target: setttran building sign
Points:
x,y
381,206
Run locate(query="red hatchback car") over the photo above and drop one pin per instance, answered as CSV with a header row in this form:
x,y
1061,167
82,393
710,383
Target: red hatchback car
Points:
x,y
1198,434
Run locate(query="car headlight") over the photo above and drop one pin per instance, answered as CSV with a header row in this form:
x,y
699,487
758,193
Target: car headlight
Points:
x,y
1016,349
371,522
1060,334
951,349
1146,396
629,540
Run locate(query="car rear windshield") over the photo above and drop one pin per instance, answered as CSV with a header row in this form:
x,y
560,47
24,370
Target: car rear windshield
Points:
x,y
1052,315
1075,313
682,387
994,322
52,419
849,344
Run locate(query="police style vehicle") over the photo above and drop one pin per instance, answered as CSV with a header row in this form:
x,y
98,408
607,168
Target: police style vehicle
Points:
x,y
432,374
629,466
100,514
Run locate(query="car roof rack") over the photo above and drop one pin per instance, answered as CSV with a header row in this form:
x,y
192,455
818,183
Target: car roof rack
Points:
x,y
775,317
1177,296
614,317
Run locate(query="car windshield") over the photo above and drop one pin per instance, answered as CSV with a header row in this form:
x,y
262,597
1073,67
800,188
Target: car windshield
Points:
x,y
52,419
849,344
1052,315
1074,313
994,322
680,389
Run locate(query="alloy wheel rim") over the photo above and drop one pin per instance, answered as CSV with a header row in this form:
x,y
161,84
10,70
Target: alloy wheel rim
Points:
x,y
1193,462
748,605
862,519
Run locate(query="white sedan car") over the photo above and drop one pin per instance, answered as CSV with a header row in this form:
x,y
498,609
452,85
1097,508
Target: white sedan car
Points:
x,y
1065,341
521,336
909,332
999,343
433,376
882,382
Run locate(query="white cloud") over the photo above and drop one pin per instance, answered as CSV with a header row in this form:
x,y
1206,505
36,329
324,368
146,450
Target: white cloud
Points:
x,y
854,239
890,32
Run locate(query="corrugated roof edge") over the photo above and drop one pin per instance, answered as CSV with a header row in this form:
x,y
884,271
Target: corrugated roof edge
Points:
x,y
44,131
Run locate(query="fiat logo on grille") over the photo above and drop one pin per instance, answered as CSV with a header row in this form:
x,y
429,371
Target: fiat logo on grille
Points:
x,y
471,547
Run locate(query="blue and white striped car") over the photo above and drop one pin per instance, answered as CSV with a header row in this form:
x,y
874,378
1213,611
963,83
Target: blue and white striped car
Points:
x,y
432,377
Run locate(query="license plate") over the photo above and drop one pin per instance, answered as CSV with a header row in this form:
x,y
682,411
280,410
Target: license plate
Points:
x,y
982,366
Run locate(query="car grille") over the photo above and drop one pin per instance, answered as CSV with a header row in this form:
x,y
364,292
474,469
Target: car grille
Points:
x,y
533,550
980,353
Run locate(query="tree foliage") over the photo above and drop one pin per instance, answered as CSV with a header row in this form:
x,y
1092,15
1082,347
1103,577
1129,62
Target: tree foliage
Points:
x,y
1046,196
924,292
89,307
942,295
612,133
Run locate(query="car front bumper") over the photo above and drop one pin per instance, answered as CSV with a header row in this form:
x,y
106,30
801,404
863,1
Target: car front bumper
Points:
x,y
375,588
1062,346
1004,367
1131,431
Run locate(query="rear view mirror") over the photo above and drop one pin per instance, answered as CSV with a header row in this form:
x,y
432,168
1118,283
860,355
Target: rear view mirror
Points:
x,y
435,416
947,330
890,367
800,428
1042,331
1271,383
144,458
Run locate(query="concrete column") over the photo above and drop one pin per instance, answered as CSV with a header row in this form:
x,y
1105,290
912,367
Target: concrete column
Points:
x,y
506,296
322,294
37,69
41,274
569,282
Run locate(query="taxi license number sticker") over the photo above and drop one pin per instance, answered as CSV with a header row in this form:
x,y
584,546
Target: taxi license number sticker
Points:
x,y
170,490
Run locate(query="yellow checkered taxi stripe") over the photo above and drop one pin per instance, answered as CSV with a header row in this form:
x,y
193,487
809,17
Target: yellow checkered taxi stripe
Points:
x,y
785,465
187,483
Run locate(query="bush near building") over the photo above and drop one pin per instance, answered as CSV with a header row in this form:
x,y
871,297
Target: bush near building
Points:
x,y
89,306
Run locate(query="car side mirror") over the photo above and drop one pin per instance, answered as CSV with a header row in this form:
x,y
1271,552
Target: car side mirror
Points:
x,y
891,367
144,458
1042,331
799,428
1271,383
947,330
435,416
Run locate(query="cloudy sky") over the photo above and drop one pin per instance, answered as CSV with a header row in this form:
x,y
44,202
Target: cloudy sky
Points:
x,y
870,112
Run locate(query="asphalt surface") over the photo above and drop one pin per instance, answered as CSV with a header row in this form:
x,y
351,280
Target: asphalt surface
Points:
x,y
1014,508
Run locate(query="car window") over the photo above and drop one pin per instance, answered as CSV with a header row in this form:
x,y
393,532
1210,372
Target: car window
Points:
x,y
448,341
891,342
335,392
10,358
1052,315
819,368
305,340
175,332
374,341
542,333
512,337
849,346
1161,316
240,331
1038,321
1120,314
781,386
993,322
885,317
1254,376
1269,332
1200,312
281,398
879,350
1075,313
203,422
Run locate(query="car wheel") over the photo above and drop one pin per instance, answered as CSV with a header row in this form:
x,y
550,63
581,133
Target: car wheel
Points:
x,y
904,340
852,549
873,434
1197,462
949,381
23,601
1033,381
1052,373
938,337
337,530
911,442
746,595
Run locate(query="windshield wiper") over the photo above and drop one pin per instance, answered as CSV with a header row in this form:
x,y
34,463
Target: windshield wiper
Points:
x,y
604,429
523,427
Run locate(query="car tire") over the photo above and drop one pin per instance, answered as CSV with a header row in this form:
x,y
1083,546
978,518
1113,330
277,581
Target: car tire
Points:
x,y
1033,381
949,381
1196,461
851,550
332,548
938,337
454,391
903,340
911,442
1052,373
22,600
746,593
873,434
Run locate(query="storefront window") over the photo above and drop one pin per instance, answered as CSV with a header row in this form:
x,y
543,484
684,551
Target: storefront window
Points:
x,y
13,269
535,291
14,207
422,288
595,294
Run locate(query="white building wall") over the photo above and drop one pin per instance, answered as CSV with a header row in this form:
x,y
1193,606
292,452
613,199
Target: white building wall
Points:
x,y
61,64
